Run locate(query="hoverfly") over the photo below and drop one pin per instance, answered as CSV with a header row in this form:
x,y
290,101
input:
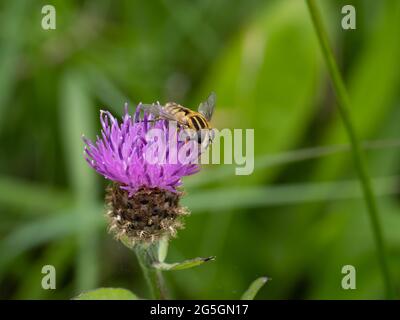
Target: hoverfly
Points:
x,y
198,121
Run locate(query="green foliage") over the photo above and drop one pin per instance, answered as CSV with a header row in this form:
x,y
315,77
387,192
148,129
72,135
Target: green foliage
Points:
x,y
254,287
299,218
181,265
107,294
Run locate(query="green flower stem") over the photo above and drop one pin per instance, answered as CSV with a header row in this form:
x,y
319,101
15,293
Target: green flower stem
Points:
x,y
147,257
344,107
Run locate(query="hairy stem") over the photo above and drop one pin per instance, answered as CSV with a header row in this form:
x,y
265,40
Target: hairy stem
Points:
x,y
147,257
344,106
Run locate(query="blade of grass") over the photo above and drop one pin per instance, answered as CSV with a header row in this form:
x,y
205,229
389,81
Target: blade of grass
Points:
x,y
35,233
255,286
255,197
75,119
270,160
38,198
11,41
344,108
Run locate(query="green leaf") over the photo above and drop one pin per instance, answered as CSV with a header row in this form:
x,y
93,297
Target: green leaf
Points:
x,y
182,265
107,294
255,286
274,56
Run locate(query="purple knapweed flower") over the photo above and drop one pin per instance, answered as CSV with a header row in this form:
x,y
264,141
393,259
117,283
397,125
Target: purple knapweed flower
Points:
x,y
119,154
143,198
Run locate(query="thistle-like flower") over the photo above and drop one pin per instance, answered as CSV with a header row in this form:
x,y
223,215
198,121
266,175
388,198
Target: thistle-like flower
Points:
x,y
143,199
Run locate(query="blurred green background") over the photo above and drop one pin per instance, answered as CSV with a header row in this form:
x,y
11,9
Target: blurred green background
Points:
x,y
297,219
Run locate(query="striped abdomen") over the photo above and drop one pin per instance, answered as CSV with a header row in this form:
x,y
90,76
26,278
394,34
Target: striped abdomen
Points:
x,y
187,117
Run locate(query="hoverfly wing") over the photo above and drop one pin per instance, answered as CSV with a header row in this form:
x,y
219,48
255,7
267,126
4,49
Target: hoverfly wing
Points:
x,y
206,108
154,109
157,111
